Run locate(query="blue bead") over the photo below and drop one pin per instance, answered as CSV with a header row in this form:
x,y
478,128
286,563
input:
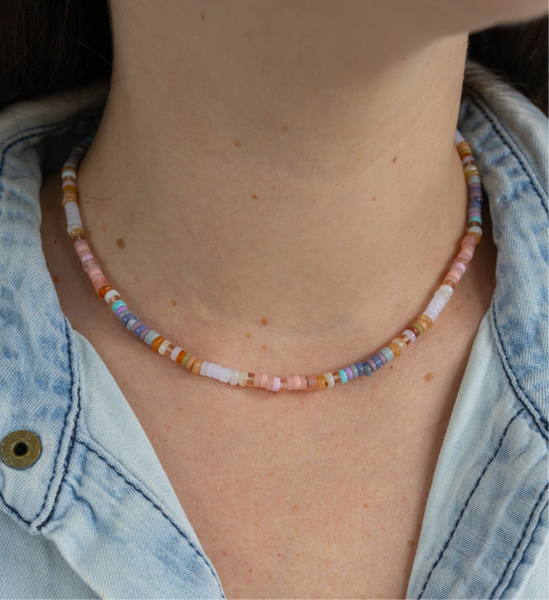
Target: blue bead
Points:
x,y
117,304
377,360
367,369
359,368
124,320
139,329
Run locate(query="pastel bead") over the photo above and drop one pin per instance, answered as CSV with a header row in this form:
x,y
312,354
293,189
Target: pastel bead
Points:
x,y
243,378
329,379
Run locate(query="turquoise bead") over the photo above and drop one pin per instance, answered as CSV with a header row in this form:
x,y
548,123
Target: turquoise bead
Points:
x,y
150,337
117,304
387,353
344,377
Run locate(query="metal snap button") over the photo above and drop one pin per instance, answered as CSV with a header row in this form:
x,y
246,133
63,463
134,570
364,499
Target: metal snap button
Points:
x,y
20,449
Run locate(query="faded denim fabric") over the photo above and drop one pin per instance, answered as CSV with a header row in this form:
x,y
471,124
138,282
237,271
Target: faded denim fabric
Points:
x,y
96,516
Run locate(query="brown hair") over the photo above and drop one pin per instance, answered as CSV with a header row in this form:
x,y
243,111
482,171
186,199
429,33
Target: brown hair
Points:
x,y
47,47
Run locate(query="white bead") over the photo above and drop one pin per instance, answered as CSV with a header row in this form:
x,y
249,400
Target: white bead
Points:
x,y
73,213
225,375
210,370
242,378
330,379
447,288
204,368
175,353
216,372
110,294
162,347
235,374
475,229
410,334
443,294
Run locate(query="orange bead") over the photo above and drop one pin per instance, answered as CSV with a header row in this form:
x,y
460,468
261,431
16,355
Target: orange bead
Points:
x,y
428,320
321,381
180,356
423,324
394,348
197,365
103,290
476,235
156,343
190,362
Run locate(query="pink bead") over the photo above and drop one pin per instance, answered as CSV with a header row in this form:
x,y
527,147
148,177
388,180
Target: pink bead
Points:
x,y
303,382
283,385
454,275
270,382
469,239
290,383
297,382
458,266
466,253
263,382
311,382
276,384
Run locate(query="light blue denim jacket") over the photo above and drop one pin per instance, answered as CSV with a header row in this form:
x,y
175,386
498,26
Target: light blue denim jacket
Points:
x,y
96,516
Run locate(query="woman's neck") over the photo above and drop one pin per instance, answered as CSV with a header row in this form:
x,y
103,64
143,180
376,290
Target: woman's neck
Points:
x,y
273,179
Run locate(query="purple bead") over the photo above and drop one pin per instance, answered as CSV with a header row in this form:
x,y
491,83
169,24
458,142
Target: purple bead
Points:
x,y
349,372
120,309
373,364
377,361
124,320
382,357
144,333
139,329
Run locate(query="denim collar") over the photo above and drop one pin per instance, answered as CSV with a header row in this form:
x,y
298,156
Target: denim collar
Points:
x,y
43,381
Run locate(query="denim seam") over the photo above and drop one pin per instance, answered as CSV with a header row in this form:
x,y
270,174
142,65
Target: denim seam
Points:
x,y
518,546
520,394
20,137
71,441
160,510
467,503
58,445
513,379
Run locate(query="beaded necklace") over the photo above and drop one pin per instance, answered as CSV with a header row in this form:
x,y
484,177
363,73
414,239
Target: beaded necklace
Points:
x,y
323,381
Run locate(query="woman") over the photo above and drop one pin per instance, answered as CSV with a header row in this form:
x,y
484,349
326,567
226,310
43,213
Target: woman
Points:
x,y
275,187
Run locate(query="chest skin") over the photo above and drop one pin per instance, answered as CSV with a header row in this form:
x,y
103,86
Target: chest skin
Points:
x,y
313,496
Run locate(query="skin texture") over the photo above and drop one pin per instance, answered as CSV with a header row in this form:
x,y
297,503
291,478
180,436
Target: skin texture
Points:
x,y
282,161
274,184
